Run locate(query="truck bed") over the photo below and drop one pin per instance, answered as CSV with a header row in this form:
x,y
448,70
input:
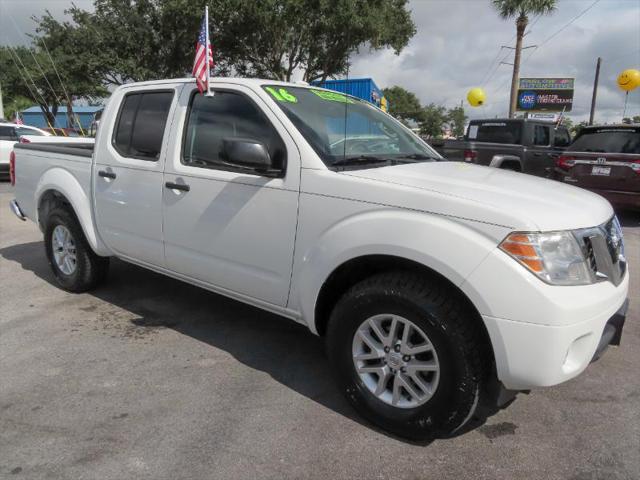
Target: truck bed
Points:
x,y
39,166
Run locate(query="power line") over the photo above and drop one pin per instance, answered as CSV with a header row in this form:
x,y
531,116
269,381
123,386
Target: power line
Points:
x,y
55,69
493,69
561,29
35,87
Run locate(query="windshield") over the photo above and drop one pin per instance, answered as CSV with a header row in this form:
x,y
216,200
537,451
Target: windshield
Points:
x,y
20,131
340,127
608,141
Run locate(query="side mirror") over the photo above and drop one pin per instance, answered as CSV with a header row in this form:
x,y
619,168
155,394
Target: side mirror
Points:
x,y
246,152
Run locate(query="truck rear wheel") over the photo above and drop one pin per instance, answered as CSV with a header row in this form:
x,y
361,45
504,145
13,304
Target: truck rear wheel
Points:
x,y
407,354
76,267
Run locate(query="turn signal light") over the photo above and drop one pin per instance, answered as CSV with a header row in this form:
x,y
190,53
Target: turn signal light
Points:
x,y
12,167
519,246
565,162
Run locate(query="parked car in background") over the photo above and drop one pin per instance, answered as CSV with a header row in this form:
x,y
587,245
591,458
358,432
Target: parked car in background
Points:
x,y
522,145
605,159
10,133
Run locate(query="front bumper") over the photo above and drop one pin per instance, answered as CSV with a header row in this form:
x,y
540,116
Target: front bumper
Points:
x,y
530,355
543,334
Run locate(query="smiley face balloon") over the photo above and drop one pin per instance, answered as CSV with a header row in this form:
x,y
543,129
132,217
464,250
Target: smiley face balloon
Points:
x,y
629,79
476,97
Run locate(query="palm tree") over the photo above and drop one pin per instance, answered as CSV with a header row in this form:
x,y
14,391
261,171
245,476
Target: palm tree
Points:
x,y
520,9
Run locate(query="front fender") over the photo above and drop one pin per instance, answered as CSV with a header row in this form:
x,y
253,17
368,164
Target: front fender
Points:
x,y
449,246
63,182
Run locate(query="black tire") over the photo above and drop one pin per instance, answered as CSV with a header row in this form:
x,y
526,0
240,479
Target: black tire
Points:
x,y
90,269
440,313
511,166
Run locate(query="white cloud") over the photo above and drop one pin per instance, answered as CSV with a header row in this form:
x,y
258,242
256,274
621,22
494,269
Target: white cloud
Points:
x,y
458,39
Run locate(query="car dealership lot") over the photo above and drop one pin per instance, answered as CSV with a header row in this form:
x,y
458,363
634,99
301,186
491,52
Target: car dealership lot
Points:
x,y
148,377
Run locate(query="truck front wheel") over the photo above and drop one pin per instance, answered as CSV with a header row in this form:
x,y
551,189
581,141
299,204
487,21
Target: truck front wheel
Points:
x,y
76,267
407,354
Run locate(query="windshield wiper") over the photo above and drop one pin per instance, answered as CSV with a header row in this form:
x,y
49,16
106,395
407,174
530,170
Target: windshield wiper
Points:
x,y
417,156
360,159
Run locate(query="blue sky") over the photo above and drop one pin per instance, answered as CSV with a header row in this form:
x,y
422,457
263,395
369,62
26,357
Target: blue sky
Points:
x,y
456,47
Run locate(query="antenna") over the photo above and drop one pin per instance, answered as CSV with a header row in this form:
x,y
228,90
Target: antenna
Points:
x,y
346,103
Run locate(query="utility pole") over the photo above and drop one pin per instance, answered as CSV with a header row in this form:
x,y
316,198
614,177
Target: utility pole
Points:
x,y
1,105
515,79
595,91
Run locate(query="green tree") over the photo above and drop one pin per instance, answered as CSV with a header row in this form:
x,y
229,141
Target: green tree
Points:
x,y
17,104
636,119
434,118
134,40
403,105
457,118
45,77
520,9
575,128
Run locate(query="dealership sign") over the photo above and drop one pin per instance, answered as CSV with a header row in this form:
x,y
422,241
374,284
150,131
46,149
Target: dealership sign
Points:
x,y
545,94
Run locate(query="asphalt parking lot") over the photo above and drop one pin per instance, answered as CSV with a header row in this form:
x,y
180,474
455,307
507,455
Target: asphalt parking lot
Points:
x,y
148,377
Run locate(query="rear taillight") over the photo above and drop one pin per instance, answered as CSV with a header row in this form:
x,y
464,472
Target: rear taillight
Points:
x,y
470,155
12,167
635,166
24,140
565,162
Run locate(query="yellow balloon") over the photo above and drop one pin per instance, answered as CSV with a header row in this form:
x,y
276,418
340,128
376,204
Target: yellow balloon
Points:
x,y
629,79
476,97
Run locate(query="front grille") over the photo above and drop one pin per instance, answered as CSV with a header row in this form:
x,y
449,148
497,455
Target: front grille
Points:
x,y
603,247
590,255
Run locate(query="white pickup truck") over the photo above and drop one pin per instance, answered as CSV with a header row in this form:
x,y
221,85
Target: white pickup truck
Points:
x,y
440,287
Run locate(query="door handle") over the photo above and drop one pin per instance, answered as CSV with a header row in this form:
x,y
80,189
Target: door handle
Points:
x,y
178,186
105,174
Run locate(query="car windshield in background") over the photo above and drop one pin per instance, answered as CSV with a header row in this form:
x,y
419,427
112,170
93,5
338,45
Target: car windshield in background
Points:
x,y
346,131
28,131
496,132
608,141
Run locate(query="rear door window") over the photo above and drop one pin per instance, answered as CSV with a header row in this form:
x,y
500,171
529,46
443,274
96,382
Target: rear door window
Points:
x,y
608,141
541,135
140,127
496,132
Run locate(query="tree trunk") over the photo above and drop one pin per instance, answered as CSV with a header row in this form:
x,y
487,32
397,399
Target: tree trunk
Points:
x,y
521,25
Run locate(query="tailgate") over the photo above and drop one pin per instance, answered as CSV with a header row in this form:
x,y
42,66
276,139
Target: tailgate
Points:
x,y
605,172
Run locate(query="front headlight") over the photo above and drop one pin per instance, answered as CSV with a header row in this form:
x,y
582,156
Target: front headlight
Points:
x,y
555,257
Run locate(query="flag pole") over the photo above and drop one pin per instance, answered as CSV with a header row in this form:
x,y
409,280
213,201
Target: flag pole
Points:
x,y
207,46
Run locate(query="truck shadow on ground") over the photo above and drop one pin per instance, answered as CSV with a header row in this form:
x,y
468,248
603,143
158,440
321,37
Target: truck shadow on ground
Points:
x,y
286,351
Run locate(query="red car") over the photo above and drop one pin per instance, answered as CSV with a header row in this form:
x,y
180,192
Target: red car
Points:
x,y
606,160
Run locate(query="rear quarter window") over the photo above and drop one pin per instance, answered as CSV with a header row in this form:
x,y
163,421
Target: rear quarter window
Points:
x,y
496,132
608,141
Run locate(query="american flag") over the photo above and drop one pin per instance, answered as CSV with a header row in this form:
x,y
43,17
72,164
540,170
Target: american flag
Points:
x,y
200,63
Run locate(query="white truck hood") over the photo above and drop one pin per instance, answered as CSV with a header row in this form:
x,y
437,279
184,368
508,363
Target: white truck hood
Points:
x,y
491,195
